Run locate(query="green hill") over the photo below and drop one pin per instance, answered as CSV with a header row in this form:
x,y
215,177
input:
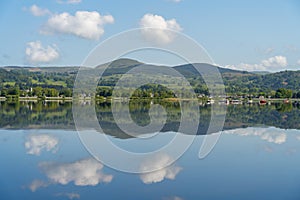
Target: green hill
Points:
x,y
236,82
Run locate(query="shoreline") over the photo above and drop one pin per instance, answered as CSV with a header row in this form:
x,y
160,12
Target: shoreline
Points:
x,y
86,99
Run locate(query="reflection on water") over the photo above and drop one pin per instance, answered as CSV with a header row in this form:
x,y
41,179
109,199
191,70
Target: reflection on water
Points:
x,y
36,184
271,135
250,161
71,195
35,143
169,172
52,164
83,172
58,115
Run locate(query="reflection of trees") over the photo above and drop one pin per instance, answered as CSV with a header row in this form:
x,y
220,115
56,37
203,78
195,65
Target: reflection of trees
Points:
x,y
237,116
278,115
35,115
58,115
284,107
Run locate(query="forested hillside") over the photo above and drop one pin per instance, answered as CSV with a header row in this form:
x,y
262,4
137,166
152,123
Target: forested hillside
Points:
x,y
15,80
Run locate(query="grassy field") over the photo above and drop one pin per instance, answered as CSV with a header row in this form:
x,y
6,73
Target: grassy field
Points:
x,y
59,83
12,83
47,82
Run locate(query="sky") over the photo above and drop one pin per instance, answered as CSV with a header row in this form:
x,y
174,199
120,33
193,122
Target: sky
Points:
x,y
258,35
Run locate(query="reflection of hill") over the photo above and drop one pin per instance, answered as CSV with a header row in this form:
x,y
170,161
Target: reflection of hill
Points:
x,y
57,115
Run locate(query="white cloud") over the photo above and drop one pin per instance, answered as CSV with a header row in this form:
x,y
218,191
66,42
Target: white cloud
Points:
x,y
83,24
276,61
36,184
298,62
83,172
69,1
273,63
37,11
35,144
271,135
161,33
36,53
247,67
169,172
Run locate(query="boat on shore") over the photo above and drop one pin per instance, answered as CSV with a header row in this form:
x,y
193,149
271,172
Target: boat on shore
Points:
x,y
263,102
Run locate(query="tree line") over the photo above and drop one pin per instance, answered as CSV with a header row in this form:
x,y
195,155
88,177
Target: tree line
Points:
x,y
35,92
58,82
146,91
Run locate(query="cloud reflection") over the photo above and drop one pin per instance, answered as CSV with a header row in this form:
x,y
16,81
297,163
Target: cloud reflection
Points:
x,y
85,172
173,198
36,184
71,195
36,143
169,172
271,135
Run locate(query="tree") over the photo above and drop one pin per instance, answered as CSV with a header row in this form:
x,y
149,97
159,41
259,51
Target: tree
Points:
x,y
283,93
14,91
51,92
3,92
66,92
37,91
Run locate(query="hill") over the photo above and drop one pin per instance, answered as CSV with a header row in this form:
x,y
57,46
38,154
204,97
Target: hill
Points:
x,y
236,82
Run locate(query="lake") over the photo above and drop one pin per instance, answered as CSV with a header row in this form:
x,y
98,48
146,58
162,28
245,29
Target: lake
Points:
x,y
256,156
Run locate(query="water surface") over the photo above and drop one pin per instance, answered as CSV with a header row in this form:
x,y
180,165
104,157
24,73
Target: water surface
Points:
x,y
257,156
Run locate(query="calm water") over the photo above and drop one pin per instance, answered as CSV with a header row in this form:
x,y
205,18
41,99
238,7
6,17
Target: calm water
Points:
x,y
257,156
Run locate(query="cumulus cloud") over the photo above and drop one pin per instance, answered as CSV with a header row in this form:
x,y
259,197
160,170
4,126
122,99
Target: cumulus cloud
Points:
x,y
35,144
85,172
36,184
271,135
85,24
37,11
161,33
69,1
276,61
273,63
37,53
169,172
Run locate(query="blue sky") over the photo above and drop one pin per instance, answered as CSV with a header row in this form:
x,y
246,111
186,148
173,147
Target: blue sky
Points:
x,y
252,35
